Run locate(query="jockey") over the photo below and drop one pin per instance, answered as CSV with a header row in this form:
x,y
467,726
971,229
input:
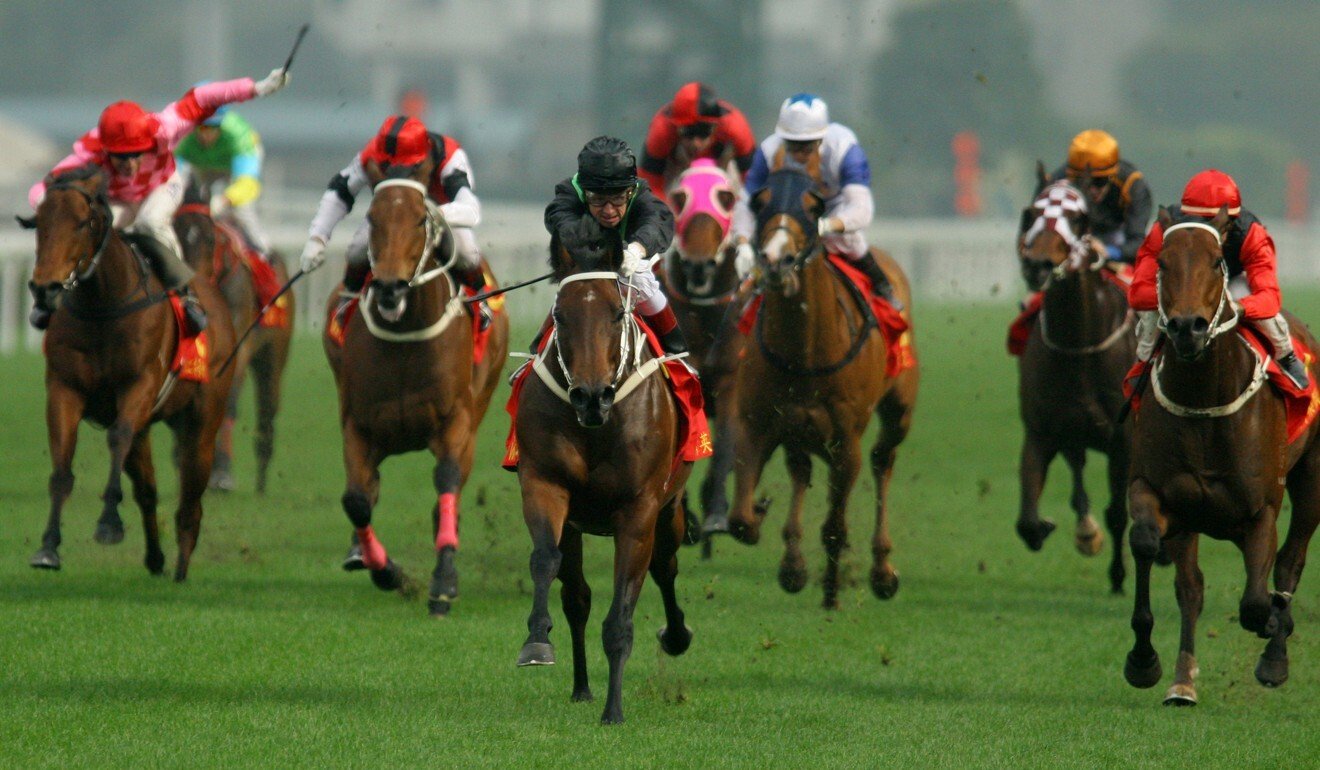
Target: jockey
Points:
x,y
135,150
1119,196
607,187
804,138
225,148
402,141
1249,254
694,125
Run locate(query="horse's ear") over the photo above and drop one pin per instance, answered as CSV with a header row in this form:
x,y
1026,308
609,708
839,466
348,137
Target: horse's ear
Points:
x,y
726,199
373,172
27,223
1041,178
1221,220
1028,218
1164,218
678,199
759,200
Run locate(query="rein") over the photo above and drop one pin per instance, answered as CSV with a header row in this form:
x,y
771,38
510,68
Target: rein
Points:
x,y
1225,298
1258,377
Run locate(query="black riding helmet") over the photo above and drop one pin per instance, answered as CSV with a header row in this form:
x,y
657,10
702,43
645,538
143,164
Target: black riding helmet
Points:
x,y
606,164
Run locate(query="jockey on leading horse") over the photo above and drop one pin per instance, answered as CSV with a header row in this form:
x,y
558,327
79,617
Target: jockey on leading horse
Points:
x,y
225,148
1250,263
806,140
403,141
694,125
606,186
1119,199
135,149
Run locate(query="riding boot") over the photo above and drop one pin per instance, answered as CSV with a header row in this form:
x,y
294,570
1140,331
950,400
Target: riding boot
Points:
x,y
1296,370
1280,337
355,278
665,325
194,316
474,278
880,285
39,318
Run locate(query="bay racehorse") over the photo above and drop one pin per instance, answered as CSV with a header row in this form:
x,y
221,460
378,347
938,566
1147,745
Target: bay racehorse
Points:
x,y
1070,373
702,284
598,439
109,349
406,376
1212,455
813,374
218,254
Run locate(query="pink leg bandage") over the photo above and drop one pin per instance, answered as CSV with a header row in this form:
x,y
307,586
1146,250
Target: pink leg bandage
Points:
x,y
373,553
447,534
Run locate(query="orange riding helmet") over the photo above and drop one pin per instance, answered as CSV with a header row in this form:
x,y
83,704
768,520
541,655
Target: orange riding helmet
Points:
x,y
1208,192
1093,151
127,128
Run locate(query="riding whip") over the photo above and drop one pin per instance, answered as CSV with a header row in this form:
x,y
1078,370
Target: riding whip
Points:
x,y
485,295
261,314
302,32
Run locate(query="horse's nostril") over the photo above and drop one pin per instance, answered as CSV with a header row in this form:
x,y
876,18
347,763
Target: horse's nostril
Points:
x,y
607,397
1200,326
577,397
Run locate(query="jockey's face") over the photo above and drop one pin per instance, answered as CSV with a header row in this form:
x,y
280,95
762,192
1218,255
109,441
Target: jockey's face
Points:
x,y
801,152
608,206
126,163
206,135
1098,188
696,138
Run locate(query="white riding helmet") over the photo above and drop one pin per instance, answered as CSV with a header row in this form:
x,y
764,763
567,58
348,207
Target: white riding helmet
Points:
x,y
803,118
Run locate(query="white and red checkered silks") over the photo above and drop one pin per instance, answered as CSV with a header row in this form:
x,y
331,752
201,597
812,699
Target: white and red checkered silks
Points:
x,y
1060,203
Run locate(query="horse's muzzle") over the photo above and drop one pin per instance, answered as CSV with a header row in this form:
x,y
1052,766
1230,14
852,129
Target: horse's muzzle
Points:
x,y
592,404
1189,334
391,298
46,296
699,276
1036,272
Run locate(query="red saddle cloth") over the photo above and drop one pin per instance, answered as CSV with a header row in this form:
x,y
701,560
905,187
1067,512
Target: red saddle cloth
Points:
x,y
336,324
894,326
1301,405
190,357
683,384
264,279
1019,331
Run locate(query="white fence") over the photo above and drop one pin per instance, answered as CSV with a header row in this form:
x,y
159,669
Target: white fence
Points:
x,y
951,260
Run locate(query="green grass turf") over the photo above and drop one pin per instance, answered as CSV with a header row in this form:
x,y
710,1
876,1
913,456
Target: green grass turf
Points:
x,y
989,656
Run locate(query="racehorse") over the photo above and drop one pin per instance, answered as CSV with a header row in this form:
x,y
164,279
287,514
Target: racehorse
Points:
x,y
217,254
109,349
1211,454
702,284
598,440
405,373
813,374
1070,374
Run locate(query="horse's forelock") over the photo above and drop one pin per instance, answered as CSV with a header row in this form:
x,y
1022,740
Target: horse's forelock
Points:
x,y
787,189
580,246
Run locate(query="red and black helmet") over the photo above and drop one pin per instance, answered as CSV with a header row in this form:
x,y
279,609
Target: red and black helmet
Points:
x,y
401,141
1208,192
695,103
127,128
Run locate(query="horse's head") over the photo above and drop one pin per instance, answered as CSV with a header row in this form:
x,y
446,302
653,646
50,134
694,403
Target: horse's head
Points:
x,y
786,209
406,228
1053,240
194,226
1193,282
594,329
703,201
73,224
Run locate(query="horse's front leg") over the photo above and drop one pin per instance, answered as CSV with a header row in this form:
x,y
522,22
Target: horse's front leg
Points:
x,y
142,472
1036,457
361,461
545,509
634,542
1087,536
1116,514
195,434
453,461
64,409
575,595
1189,585
793,568
222,475
1304,492
895,421
1255,611
1142,668
845,464
714,488
133,410
675,636
754,449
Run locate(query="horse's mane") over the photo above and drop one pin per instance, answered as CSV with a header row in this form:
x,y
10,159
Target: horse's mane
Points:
x,y
78,174
582,246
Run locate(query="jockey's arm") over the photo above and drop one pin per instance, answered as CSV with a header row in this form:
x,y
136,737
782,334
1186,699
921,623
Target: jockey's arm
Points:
x,y
81,156
854,210
740,137
744,221
650,222
338,200
1260,264
463,208
179,118
661,139
1143,294
1136,217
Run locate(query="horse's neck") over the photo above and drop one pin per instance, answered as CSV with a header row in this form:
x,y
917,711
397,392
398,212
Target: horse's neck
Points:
x,y
427,302
810,326
117,278
1216,378
1082,310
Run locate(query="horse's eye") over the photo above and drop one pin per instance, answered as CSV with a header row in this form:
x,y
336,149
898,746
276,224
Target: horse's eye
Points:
x,y
618,319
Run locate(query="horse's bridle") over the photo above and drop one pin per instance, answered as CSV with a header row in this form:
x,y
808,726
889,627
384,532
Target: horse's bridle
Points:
x,y
811,249
1225,297
435,227
93,260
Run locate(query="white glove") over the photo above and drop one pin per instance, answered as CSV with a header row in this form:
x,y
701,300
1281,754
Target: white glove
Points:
x,y
825,226
313,254
634,259
744,259
277,79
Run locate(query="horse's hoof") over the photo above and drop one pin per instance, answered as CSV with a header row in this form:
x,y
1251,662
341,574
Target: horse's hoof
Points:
x,y
674,644
744,532
1272,672
884,584
792,576
537,654
46,558
388,579
1034,533
353,559
612,716
109,533
1180,695
1089,543
155,563
582,696
439,606
715,524
221,481
830,602
1142,675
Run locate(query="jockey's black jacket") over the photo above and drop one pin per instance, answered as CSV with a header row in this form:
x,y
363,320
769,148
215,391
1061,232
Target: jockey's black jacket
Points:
x,y
1126,208
648,220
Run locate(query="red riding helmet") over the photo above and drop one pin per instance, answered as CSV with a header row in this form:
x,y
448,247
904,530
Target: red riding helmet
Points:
x,y
401,141
695,103
125,127
1208,192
